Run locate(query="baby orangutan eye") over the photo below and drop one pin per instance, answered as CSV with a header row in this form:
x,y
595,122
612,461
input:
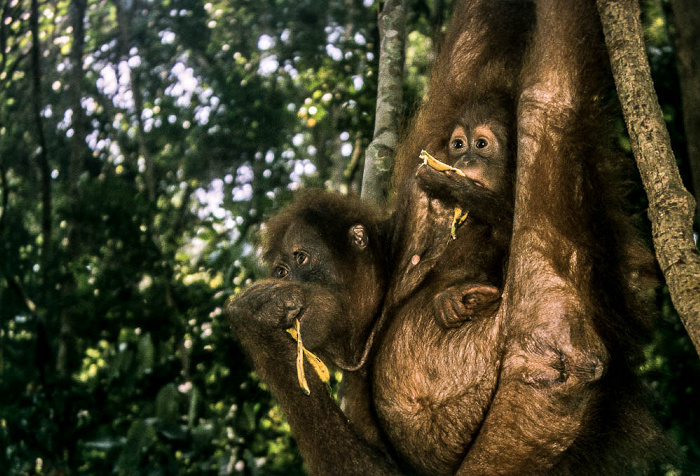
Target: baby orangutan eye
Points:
x,y
280,272
457,143
301,258
481,143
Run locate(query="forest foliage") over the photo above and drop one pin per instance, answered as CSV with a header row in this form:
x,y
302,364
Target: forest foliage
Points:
x,y
142,143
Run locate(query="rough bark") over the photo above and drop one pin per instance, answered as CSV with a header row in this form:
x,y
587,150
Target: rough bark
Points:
x,y
381,151
351,178
686,37
671,207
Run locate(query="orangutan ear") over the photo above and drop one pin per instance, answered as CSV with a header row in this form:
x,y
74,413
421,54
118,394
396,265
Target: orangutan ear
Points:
x,y
359,238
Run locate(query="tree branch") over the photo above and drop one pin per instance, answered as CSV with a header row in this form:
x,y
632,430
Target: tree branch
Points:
x,y
671,207
381,151
14,283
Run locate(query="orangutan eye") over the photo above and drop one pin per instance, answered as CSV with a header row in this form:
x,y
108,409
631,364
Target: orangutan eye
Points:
x,y
481,143
458,143
301,258
281,272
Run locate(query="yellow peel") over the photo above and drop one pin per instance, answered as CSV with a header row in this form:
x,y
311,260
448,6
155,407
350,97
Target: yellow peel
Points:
x,y
434,163
458,220
316,363
318,366
300,361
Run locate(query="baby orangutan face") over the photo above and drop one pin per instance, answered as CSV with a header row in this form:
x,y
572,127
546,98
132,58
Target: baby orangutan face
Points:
x,y
479,148
473,167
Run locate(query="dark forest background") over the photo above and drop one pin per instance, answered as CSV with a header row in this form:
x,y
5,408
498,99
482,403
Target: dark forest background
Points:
x,y
142,143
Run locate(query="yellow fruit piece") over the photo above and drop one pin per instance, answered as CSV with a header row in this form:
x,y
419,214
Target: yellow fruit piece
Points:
x,y
317,364
434,163
300,361
458,220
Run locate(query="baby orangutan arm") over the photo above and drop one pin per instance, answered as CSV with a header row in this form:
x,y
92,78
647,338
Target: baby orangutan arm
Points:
x,y
455,190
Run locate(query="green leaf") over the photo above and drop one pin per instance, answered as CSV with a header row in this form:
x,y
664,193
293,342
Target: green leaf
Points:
x,y
146,354
140,437
167,404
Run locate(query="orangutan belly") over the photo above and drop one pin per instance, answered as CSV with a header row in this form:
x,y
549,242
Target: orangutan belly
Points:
x,y
432,387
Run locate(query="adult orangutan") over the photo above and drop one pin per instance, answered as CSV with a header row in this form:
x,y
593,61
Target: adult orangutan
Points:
x,y
547,384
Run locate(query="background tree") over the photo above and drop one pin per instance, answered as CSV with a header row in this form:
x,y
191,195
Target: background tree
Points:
x,y
381,151
671,207
141,145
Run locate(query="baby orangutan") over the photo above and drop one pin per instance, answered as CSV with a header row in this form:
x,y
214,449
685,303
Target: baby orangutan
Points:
x,y
473,173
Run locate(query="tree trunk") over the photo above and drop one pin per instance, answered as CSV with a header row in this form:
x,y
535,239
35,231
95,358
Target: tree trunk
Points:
x,y
686,37
77,152
381,151
44,169
135,78
671,207
144,153
66,356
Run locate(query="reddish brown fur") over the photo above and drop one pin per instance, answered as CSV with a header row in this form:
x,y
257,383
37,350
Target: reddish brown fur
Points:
x,y
336,296
352,280
535,390
548,385
467,266
481,53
